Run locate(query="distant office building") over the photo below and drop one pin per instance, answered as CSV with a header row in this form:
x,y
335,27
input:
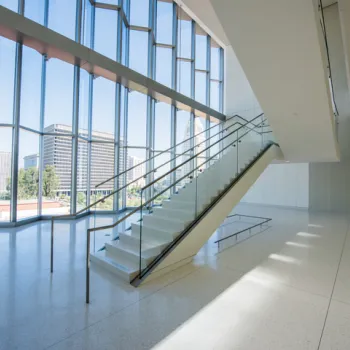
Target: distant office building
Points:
x,y
31,161
5,169
138,172
58,152
185,170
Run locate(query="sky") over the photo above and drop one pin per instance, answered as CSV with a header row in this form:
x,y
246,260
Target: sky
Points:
x,y
59,82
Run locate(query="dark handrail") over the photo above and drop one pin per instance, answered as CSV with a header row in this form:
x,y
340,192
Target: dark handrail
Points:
x,y
323,27
174,147
195,156
173,184
150,172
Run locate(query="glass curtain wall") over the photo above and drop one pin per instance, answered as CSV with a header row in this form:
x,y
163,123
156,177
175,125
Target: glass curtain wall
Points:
x,y
63,130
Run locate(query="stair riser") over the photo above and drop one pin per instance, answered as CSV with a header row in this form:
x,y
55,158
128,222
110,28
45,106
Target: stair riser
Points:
x,y
163,224
119,273
152,234
134,242
124,254
175,214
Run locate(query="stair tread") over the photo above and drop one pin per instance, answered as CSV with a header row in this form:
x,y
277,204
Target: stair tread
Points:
x,y
153,228
117,262
149,242
132,250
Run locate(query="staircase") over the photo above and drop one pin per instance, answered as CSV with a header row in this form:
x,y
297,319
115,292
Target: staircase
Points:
x,y
153,240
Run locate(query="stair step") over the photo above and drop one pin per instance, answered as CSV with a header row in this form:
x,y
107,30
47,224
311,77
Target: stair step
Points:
x,y
148,242
127,252
125,270
153,233
164,223
180,214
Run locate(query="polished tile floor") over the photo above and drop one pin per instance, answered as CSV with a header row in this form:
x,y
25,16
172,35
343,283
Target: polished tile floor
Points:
x,y
287,287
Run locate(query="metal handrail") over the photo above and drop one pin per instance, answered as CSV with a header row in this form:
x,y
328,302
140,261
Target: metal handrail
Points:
x,y
139,208
172,185
174,147
66,216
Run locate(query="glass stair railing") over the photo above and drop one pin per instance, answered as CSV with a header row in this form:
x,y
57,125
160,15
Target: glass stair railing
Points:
x,y
191,152
199,180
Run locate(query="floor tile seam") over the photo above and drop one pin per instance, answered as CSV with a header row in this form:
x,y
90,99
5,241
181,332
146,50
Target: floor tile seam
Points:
x,y
341,301
120,310
334,283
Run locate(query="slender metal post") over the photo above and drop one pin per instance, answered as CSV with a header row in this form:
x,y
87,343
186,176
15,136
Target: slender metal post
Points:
x,y
51,247
75,113
140,251
87,290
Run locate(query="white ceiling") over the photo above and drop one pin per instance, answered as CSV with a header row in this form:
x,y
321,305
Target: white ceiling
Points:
x,y
203,12
278,44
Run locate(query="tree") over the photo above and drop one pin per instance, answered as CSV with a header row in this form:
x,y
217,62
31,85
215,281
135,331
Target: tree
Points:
x,y
50,182
28,183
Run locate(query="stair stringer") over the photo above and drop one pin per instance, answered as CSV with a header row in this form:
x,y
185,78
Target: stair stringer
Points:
x,y
194,240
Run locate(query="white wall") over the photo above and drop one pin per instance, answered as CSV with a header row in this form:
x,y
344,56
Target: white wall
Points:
x,y
239,96
283,185
330,182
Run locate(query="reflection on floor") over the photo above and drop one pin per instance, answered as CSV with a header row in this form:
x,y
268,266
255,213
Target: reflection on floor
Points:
x,y
286,288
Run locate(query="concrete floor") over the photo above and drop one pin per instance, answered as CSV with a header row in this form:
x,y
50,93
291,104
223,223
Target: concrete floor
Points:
x,y
285,288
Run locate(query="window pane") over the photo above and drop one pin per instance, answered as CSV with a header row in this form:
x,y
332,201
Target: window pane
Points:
x,y
162,164
82,172
139,12
84,103
106,24
201,83
215,63
184,39
137,119
215,95
162,139
135,176
103,109
10,4
164,22
182,130
102,168
57,173
138,58
201,52
7,77
125,36
126,6
28,175
87,24
184,77
199,140
62,17
214,137
59,94
5,172
34,10
164,66
31,89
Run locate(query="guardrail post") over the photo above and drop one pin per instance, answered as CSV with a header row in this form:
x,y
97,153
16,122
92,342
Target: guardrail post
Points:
x,y
51,248
87,291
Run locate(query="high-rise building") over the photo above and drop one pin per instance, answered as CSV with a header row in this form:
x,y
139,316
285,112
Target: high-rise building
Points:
x,y
58,152
198,140
31,161
136,173
5,169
